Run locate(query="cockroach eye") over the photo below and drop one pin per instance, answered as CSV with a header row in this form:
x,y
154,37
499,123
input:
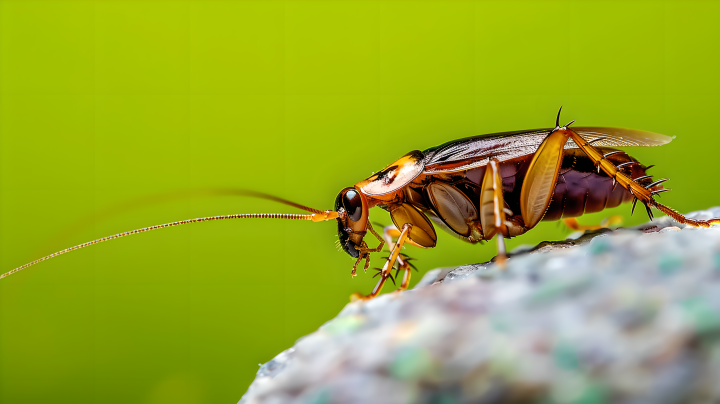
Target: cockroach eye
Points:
x,y
352,202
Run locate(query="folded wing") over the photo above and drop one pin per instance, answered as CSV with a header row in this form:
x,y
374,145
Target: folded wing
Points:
x,y
476,151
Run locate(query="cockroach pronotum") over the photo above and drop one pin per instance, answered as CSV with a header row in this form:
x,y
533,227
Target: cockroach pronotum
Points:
x,y
496,185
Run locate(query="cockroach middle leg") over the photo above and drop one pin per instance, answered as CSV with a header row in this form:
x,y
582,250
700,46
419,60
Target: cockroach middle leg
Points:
x,y
492,209
407,271
502,252
388,233
403,260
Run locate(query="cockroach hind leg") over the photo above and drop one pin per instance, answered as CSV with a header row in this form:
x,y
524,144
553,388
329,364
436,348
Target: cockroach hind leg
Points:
x,y
573,224
643,193
614,220
405,284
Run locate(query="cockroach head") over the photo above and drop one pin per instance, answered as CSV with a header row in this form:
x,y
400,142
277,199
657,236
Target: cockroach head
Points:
x,y
352,210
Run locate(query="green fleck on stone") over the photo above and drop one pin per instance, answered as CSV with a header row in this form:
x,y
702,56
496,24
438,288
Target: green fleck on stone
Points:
x,y
443,398
565,356
551,290
320,397
598,246
547,291
705,318
592,394
669,264
411,363
500,323
344,325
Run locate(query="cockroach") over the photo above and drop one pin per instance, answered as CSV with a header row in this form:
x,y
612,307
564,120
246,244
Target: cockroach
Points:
x,y
495,185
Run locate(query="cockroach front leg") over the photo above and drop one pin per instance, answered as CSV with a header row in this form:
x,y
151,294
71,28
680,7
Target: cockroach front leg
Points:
x,y
385,272
365,251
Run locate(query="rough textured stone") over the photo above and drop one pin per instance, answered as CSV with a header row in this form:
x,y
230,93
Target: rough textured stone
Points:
x,y
625,316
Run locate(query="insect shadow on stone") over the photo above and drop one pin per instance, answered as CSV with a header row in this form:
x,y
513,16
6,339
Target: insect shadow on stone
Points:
x,y
498,185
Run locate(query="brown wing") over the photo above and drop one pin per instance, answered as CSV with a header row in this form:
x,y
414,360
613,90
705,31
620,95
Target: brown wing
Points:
x,y
476,151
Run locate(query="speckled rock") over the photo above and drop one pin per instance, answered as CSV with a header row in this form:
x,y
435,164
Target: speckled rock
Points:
x,y
625,316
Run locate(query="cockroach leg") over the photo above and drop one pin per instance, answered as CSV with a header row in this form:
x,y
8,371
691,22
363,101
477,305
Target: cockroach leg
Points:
x,y
364,255
388,233
492,209
644,194
502,254
405,284
573,224
403,260
385,272
365,251
405,266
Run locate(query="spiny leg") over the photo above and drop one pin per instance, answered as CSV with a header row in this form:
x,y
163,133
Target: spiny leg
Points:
x,y
492,213
385,272
403,260
643,194
406,277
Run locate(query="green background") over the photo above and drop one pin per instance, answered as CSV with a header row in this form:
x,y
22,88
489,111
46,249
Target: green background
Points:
x,y
105,102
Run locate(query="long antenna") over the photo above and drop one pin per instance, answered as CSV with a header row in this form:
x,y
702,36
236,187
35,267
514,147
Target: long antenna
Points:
x,y
124,206
316,217
261,195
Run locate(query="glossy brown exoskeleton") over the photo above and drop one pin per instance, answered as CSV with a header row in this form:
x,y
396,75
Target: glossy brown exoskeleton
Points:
x,y
497,185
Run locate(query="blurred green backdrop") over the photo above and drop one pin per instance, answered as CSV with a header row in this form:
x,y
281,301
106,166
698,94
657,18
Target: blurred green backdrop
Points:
x,y
105,102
